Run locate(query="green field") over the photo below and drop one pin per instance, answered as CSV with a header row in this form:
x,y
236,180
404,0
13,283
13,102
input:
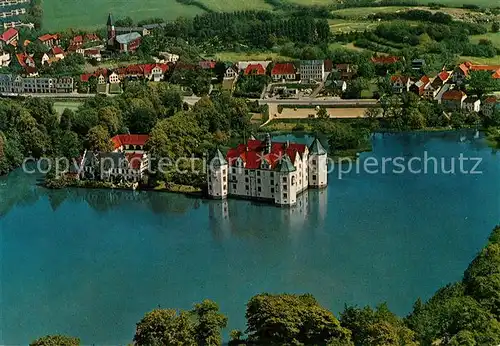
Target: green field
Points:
x,y
60,106
362,12
493,37
248,56
459,3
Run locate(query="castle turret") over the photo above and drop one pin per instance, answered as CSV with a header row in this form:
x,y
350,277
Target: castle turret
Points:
x,y
217,172
286,184
111,30
318,165
267,143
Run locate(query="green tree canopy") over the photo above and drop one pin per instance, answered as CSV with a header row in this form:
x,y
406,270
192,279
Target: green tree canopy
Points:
x,y
56,340
165,327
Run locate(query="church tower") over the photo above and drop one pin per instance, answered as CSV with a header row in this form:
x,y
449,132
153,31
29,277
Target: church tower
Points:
x,y
318,165
217,173
111,31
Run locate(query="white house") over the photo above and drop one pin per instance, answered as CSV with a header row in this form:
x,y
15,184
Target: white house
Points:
x,y
231,72
264,170
312,71
472,104
113,78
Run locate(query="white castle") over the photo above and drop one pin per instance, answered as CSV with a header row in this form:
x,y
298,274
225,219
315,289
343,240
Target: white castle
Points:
x,y
266,170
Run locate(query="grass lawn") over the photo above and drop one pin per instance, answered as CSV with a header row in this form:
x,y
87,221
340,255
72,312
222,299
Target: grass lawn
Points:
x,y
312,2
365,11
242,56
60,106
459,3
493,37
343,25
485,61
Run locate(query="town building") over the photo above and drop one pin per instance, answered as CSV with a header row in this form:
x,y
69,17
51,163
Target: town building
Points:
x,y
169,57
10,36
453,99
344,71
50,40
254,70
207,64
284,72
489,105
400,84
128,161
231,72
128,42
5,59
463,70
27,62
270,171
472,104
12,84
312,71
419,86
418,64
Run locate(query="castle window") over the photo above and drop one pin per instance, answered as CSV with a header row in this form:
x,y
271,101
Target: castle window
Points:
x,y
234,170
272,174
246,172
272,182
224,172
234,186
272,189
247,188
285,187
258,181
259,189
246,180
313,162
224,179
285,196
258,173
314,176
284,179
225,186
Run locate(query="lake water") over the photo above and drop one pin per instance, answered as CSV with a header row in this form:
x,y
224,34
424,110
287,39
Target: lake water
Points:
x,y
90,263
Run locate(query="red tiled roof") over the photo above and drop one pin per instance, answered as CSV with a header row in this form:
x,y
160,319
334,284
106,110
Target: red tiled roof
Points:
x,y
120,140
91,51
281,69
57,50
491,99
7,35
464,68
253,153
425,80
404,79
385,59
134,159
444,76
255,69
453,95
91,37
207,64
78,39
496,75
148,68
85,77
484,67
47,37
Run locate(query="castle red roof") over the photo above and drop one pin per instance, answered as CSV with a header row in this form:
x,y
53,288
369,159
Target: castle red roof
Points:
x,y
253,153
78,39
9,34
256,69
207,64
281,69
148,68
91,37
120,140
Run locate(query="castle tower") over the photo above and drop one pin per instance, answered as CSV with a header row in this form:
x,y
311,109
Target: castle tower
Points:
x,y
318,165
268,143
111,31
286,184
217,172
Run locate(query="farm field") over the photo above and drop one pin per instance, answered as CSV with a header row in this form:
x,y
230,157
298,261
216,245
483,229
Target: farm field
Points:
x,y
459,3
484,61
365,11
493,37
344,25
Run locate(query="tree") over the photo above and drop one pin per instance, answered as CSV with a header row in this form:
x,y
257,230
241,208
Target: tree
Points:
x,y
66,119
322,113
210,323
56,340
495,27
111,118
165,327
376,327
291,319
481,82
98,139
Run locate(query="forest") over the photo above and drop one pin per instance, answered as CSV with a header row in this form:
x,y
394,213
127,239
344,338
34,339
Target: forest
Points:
x,y
464,313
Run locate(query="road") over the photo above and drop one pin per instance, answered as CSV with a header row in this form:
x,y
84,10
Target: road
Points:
x,y
325,101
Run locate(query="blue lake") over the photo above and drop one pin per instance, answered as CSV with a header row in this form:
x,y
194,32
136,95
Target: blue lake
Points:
x,y
90,263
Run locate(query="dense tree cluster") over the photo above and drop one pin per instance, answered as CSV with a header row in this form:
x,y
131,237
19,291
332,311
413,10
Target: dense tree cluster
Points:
x,y
465,313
